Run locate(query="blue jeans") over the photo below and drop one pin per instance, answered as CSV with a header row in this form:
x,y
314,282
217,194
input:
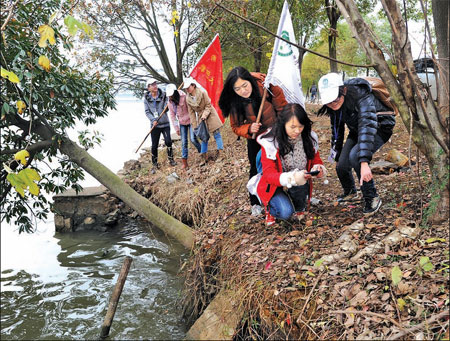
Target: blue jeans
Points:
x,y
184,130
283,205
218,139
348,160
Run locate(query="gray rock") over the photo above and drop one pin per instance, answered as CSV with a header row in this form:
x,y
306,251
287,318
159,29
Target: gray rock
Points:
x,y
173,177
89,221
112,218
131,165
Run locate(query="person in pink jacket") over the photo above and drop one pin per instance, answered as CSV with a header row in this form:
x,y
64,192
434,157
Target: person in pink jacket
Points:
x,y
289,150
179,115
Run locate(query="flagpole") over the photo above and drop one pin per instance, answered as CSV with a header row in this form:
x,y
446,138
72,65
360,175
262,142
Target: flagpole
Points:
x,y
258,118
272,65
163,112
212,41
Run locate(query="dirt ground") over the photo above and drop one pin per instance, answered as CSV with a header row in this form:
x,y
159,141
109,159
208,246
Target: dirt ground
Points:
x,y
334,275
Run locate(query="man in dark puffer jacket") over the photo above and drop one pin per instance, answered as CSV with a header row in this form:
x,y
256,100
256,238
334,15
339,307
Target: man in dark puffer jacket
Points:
x,y
370,125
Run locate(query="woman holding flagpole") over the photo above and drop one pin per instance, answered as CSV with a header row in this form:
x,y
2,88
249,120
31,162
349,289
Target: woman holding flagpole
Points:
x,y
241,99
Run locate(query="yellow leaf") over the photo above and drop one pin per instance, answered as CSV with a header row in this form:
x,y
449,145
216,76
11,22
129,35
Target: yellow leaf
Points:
x,y
396,275
248,35
11,76
401,303
45,63
394,70
318,263
432,240
189,4
25,179
20,106
47,33
302,283
22,156
269,55
17,183
29,176
176,33
52,17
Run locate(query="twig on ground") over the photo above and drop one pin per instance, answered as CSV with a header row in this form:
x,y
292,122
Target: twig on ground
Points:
x,y
309,296
307,326
396,306
420,325
367,313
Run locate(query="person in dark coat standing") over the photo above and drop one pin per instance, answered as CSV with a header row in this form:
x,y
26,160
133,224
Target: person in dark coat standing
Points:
x,y
155,100
370,125
313,92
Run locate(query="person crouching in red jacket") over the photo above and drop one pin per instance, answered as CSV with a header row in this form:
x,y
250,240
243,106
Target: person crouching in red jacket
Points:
x,y
289,150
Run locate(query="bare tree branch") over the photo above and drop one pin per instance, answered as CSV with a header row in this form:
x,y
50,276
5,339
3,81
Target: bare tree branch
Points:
x,y
289,42
8,18
34,148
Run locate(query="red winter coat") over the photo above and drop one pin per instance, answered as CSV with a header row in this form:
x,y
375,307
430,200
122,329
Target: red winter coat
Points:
x,y
272,168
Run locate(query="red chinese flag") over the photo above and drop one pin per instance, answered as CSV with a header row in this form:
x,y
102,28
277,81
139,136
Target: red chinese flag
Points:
x,y
208,73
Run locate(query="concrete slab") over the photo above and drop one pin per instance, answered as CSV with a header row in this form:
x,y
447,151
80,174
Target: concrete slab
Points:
x,y
86,192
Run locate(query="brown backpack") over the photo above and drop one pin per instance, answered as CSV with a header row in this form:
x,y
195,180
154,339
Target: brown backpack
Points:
x,y
380,91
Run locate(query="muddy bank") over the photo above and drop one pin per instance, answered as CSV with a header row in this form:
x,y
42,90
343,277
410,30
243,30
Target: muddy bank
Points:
x,y
336,274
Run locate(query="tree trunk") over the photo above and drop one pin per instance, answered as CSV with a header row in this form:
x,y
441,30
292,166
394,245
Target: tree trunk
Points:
x,y
441,26
301,55
143,206
333,16
413,100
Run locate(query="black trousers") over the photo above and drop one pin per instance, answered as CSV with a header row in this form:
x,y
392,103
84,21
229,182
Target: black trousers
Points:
x,y
253,148
156,134
348,160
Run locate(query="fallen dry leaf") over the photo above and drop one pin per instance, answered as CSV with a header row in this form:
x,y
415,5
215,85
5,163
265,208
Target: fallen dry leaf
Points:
x,y
296,258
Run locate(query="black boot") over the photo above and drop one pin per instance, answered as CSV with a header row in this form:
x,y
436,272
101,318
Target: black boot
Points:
x,y
155,167
170,156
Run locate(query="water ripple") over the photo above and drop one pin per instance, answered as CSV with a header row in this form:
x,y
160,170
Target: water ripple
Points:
x,y
71,300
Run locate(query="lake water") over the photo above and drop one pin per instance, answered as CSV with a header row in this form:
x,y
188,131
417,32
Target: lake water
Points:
x,y
57,286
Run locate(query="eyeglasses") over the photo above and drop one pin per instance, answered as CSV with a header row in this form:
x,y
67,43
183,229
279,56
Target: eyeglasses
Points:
x,y
243,86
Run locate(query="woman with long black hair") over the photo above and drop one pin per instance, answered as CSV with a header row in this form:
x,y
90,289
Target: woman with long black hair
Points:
x,y
289,151
240,99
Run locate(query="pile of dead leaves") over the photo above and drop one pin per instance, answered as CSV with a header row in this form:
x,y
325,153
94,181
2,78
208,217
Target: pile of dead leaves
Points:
x,y
336,274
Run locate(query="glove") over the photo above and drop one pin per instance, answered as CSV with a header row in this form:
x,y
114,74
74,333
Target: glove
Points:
x,y
320,167
287,179
299,177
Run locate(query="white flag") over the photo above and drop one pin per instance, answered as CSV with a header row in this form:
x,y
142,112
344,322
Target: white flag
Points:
x,y
283,69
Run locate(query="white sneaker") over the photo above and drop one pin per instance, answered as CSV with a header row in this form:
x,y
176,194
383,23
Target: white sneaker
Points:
x,y
256,210
315,201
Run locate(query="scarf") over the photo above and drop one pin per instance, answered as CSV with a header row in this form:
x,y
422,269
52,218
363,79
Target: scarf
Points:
x,y
195,99
296,158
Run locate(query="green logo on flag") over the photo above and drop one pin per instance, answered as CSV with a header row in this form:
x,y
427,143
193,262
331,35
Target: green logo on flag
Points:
x,y
285,48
